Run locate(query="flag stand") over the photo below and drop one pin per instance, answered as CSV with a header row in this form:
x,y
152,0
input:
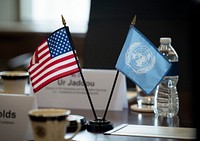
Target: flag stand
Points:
x,y
101,124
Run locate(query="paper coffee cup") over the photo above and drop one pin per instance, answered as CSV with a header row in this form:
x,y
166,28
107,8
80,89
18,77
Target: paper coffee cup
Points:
x,y
14,82
51,124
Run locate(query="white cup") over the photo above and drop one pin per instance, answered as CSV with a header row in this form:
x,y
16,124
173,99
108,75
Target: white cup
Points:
x,y
14,82
51,124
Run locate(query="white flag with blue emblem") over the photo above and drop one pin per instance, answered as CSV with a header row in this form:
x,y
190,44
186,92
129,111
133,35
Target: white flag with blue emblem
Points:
x,y
141,61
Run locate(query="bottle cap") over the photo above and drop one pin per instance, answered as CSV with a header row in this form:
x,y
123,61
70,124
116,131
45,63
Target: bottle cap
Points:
x,y
165,40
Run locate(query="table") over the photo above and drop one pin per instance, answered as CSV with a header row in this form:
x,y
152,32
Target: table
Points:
x,y
127,116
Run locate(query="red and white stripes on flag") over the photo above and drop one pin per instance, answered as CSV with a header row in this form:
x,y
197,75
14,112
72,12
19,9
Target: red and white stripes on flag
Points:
x,y
43,68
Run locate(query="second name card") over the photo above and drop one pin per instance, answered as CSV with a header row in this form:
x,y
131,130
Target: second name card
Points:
x,y
69,92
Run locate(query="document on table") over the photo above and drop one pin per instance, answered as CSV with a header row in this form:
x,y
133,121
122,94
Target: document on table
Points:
x,y
153,131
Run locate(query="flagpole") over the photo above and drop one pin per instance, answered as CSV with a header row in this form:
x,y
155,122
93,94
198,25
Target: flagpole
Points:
x,y
73,49
132,24
111,93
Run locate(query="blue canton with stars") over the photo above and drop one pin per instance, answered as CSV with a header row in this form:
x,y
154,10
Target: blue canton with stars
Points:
x,y
58,43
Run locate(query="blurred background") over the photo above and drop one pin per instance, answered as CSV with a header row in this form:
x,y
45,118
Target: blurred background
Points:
x,y
99,29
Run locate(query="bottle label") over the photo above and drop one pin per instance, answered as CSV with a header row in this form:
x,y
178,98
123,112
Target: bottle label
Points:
x,y
174,69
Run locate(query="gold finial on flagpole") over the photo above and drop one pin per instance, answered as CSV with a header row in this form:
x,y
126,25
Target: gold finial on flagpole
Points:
x,y
133,21
63,20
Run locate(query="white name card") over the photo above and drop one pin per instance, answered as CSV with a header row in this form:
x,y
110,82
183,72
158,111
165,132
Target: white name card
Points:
x,y
69,92
14,121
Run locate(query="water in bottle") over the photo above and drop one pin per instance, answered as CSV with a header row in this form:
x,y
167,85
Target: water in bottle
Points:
x,y
166,101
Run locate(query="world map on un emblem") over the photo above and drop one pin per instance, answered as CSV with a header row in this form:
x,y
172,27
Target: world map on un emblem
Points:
x,y
139,58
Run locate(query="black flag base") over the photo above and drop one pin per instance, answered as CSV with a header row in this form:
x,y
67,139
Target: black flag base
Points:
x,y
99,126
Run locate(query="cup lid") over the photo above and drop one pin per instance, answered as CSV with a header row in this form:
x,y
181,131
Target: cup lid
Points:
x,y
13,75
48,114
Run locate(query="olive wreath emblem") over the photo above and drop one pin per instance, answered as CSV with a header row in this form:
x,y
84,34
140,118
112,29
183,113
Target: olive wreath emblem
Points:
x,y
140,58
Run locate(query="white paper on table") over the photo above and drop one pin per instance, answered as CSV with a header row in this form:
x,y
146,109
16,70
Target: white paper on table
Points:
x,y
153,131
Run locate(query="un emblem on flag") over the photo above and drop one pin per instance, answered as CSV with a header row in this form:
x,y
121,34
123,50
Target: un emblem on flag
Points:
x,y
139,58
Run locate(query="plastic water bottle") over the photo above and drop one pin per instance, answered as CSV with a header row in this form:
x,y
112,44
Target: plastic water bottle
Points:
x,y
166,100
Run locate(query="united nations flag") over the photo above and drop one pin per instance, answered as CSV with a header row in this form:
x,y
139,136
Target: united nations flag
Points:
x,y
141,61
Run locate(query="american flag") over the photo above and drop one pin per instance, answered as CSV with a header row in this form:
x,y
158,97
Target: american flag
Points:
x,y
54,58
